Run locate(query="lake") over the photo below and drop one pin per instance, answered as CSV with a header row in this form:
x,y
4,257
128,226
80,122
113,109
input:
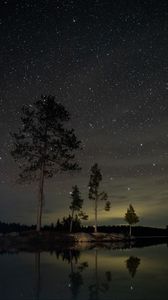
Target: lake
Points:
x,y
98,273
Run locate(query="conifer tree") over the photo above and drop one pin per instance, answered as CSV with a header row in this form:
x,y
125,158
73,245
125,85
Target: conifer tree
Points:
x,y
76,203
94,193
44,146
131,218
76,206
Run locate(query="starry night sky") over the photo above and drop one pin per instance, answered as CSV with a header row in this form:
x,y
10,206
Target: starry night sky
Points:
x,y
107,62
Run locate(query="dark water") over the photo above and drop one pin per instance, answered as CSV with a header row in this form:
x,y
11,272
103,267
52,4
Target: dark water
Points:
x,y
137,273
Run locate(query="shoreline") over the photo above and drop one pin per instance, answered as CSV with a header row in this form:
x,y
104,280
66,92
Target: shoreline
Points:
x,y
51,241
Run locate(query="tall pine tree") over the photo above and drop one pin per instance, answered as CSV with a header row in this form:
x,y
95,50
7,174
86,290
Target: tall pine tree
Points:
x,y
44,146
76,206
94,193
76,203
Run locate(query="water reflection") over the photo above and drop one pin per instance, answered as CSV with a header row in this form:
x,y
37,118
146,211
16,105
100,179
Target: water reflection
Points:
x,y
101,282
90,274
98,286
75,276
132,264
76,279
38,275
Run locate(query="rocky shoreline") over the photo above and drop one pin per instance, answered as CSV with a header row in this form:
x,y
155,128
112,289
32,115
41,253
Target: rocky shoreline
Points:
x,y
51,240
46,241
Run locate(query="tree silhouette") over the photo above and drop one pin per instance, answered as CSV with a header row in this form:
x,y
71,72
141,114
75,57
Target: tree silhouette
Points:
x,y
76,206
75,276
99,285
132,264
43,146
66,222
94,194
131,217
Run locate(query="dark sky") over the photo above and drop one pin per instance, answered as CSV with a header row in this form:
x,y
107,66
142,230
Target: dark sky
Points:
x,y
107,62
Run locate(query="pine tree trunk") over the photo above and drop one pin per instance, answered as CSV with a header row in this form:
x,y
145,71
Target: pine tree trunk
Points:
x,y
95,216
71,223
40,198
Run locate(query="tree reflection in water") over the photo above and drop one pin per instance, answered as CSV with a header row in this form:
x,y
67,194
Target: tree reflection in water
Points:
x,y
75,276
98,286
38,275
132,264
76,279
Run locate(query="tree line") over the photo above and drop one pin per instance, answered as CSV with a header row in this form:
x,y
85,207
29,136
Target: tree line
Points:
x,y
44,146
62,226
